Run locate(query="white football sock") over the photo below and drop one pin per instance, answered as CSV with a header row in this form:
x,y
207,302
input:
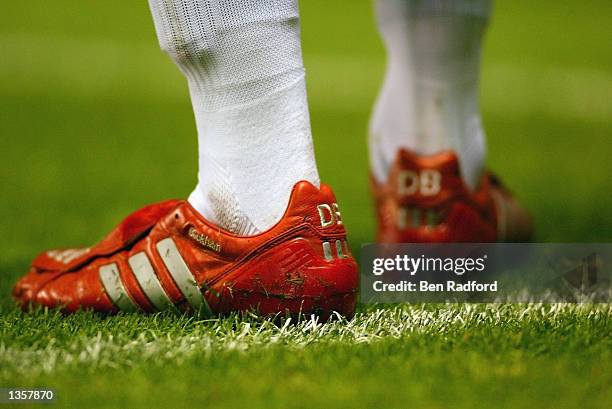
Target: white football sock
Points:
x,y
243,63
429,99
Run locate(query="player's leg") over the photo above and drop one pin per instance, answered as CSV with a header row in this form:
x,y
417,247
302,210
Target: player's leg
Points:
x,y
259,231
426,138
429,98
243,64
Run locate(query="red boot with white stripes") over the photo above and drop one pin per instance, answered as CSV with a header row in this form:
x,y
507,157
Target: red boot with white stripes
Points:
x,y
425,200
168,257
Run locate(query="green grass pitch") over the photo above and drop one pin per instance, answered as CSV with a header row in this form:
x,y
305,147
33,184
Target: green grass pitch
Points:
x,y
95,122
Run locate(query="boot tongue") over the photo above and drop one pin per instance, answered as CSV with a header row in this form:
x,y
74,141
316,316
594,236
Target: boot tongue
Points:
x,y
426,180
130,229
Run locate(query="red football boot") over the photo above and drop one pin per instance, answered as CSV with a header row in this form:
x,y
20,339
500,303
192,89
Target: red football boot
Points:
x,y
425,200
167,256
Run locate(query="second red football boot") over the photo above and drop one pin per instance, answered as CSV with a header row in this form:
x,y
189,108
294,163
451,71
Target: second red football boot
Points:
x,y
168,257
425,200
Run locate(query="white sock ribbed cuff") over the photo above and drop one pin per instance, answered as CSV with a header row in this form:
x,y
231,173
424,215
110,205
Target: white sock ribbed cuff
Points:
x,y
231,51
206,109
402,9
